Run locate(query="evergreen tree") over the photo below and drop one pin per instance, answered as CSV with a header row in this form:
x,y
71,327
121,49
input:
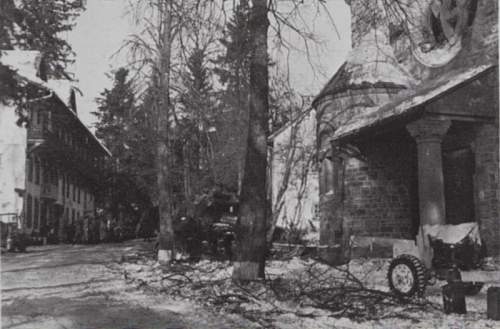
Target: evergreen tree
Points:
x,y
233,69
116,106
39,25
194,130
234,66
124,129
9,87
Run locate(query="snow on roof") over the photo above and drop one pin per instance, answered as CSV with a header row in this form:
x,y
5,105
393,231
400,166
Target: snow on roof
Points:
x,y
372,64
26,63
63,88
299,118
374,61
407,101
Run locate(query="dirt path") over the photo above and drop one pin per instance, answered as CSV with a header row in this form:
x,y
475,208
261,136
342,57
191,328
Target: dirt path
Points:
x,y
83,287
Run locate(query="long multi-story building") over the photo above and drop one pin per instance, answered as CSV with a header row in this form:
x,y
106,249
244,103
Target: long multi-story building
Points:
x,y
52,161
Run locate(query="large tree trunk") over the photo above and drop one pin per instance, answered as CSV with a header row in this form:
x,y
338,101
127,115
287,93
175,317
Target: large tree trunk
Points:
x,y
251,227
165,195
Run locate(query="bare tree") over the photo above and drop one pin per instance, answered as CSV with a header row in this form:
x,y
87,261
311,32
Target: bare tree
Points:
x,y
254,208
168,27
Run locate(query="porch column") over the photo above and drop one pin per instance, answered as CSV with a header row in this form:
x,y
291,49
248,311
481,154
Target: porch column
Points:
x,y
428,134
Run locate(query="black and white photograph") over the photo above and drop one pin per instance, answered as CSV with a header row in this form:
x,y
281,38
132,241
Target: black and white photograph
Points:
x,y
249,164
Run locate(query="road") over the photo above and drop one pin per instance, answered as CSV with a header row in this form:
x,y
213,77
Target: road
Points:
x,y
83,287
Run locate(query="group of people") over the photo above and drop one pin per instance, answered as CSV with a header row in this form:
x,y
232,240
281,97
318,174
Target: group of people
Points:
x,y
93,230
85,230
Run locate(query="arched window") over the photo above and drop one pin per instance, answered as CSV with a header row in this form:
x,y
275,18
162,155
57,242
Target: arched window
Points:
x,y
327,174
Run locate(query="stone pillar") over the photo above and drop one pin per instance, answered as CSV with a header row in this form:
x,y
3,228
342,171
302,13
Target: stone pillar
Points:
x,y
428,134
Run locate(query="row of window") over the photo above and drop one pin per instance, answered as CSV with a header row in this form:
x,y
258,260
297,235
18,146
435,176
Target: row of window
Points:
x,y
34,213
71,215
71,190
43,119
84,151
39,172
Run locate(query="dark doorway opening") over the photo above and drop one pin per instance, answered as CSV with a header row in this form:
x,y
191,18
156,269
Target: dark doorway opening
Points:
x,y
458,172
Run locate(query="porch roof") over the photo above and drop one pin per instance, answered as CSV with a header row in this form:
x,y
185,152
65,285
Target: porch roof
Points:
x,y
408,101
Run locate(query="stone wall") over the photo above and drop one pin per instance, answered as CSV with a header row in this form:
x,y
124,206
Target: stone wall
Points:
x,y
479,40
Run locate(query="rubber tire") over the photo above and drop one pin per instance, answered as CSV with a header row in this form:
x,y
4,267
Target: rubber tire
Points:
x,y
419,276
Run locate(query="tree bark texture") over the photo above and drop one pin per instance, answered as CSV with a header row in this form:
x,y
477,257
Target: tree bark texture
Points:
x,y
251,226
165,201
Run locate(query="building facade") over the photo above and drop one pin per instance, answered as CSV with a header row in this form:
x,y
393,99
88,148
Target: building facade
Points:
x,y
294,176
408,126
60,176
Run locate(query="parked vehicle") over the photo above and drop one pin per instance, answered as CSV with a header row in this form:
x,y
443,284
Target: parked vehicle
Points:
x,y
450,252
223,237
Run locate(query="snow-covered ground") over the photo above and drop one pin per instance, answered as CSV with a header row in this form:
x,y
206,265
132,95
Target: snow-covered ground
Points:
x,y
83,287
287,299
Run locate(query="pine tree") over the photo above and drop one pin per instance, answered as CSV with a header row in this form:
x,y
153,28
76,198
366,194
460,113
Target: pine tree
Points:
x,y
36,25
233,69
116,106
194,130
10,91
39,25
125,131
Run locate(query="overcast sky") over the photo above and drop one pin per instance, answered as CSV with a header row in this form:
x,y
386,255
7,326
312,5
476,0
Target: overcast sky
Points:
x,y
101,29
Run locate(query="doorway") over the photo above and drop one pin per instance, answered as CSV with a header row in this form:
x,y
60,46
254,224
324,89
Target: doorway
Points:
x,y
458,172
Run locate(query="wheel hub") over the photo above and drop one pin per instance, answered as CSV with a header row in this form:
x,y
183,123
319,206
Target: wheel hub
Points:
x,y
402,278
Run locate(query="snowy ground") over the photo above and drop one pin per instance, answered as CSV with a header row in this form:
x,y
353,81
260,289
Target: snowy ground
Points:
x,y
282,301
120,286
76,287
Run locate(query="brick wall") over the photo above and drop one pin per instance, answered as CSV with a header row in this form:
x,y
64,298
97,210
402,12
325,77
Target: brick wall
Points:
x,y
380,188
381,192
487,188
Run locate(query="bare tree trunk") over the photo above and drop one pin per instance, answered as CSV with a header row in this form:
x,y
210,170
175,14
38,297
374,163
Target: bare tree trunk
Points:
x,y
165,201
251,228
187,161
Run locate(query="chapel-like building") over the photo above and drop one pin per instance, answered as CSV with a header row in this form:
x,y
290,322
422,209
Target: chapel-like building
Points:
x,y
408,126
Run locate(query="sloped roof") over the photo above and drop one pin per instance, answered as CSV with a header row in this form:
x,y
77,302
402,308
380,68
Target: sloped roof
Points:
x,y
372,64
64,90
408,101
26,64
296,120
